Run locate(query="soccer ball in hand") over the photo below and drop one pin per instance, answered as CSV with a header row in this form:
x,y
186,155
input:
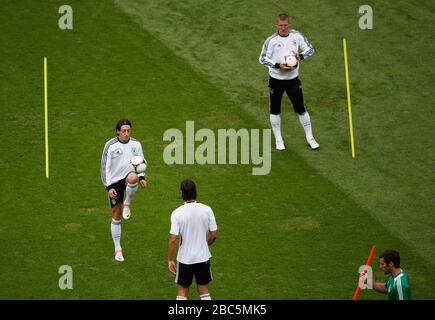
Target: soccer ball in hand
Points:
x,y
291,61
138,164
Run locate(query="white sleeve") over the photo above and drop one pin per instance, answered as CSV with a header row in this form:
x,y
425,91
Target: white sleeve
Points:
x,y
105,166
266,54
175,228
305,47
142,174
212,226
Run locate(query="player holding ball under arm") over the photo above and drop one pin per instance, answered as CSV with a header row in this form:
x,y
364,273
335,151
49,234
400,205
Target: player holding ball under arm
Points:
x,y
283,78
117,177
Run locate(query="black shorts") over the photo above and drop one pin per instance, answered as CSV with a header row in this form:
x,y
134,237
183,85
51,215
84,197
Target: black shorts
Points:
x,y
292,87
119,188
185,273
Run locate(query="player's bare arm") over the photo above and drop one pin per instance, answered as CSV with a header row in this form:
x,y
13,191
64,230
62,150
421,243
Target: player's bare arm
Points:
x,y
172,246
211,237
379,287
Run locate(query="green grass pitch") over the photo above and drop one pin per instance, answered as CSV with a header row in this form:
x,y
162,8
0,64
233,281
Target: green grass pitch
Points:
x,y
300,232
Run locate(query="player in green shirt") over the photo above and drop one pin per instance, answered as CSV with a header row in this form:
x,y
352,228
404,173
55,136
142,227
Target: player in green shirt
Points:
x,y
397,286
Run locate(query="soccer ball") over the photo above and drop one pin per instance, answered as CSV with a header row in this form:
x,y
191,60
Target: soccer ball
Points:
x,y
138,164
291,61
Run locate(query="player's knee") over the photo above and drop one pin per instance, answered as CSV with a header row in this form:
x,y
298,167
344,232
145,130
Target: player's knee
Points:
x,y
183,290
132,178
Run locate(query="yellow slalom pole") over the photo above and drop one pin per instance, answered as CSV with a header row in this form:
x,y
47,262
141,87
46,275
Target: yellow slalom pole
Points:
x,y
348,98
46,116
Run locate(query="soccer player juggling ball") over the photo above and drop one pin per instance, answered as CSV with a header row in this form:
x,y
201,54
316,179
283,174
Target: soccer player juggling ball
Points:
x,y
117,177
283,77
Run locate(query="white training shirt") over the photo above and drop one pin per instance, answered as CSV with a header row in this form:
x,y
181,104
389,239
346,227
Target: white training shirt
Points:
x,y
116,157
276,47
191,222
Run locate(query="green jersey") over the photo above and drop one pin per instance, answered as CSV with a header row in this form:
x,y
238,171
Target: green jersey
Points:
x,y
398,287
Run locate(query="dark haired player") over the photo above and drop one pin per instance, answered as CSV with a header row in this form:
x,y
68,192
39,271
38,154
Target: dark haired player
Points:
x,y
195,224
397,286
117,177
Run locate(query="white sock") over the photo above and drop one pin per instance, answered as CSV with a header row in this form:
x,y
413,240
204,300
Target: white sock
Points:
x,y
130,190
115,227
205,296
181,298
275,122
305,121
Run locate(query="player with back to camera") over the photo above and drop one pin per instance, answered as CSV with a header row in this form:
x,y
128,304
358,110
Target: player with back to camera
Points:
x,y
117,177
195,224
284,78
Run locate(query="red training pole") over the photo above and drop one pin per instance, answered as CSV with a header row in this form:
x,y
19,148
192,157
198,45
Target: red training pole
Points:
x,y
355,295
